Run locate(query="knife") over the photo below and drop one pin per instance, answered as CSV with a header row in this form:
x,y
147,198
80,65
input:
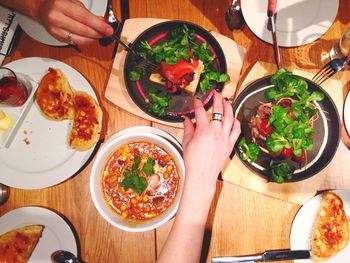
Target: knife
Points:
x,y
269,255
271,26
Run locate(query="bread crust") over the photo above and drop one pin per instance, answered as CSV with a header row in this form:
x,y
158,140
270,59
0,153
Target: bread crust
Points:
x,y
54,96
330,232
18,244
87,122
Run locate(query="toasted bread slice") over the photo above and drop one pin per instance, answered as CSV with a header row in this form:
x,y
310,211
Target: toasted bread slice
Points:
x,y
87,123
331,229
54,96
17,245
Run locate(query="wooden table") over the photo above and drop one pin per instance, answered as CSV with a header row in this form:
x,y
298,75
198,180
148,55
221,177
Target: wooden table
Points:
x,y
240,221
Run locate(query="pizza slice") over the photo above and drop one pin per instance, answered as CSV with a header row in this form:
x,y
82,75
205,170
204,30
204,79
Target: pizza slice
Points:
x,y
54,96
331,229
17,245
87,122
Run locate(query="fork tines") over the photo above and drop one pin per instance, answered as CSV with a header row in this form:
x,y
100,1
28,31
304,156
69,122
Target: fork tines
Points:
x,y
148,65
325,73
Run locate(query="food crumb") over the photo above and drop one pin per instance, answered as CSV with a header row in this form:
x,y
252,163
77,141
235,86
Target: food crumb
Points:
x,y
25,132
26,141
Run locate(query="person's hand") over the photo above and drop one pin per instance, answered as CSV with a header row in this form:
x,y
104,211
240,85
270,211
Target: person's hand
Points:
x,y
208,144
64,17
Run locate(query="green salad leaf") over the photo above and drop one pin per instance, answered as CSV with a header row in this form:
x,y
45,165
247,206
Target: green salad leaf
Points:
x,y
159,101
280,172
248,152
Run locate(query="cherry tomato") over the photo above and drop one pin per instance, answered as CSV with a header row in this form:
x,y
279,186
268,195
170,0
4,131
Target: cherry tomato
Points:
x,y
300,159
287,153
264,129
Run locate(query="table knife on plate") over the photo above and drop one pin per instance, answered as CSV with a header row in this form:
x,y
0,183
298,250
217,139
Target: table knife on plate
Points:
x,y
271,26
269,255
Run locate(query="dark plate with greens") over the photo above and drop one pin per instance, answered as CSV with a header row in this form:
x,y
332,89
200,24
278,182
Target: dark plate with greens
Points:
x,y
169,42
287,129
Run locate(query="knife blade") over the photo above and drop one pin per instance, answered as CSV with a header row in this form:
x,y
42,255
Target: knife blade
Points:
x,y
271,26
269,255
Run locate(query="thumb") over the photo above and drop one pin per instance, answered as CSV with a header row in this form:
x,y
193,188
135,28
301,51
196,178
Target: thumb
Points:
x,y
188,132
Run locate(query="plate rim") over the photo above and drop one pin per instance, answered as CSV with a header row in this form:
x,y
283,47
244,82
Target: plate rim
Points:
x,y
63,172
177,118
265,78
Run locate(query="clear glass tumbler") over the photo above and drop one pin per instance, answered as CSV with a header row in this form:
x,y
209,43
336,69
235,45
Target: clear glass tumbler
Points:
x,y
342,47
13,91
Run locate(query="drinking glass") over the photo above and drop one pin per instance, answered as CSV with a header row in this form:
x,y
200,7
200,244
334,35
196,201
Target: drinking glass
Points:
x,y
13,90
342,47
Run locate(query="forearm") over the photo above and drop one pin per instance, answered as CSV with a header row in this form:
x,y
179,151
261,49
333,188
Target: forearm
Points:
x,y
185,239
27,7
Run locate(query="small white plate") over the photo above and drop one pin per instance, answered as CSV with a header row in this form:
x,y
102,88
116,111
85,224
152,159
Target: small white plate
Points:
x,y
303,222
57,235
39,33
298,22
346,113
47,159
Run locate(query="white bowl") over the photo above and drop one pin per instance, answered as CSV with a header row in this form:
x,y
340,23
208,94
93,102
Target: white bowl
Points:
x,y
106,212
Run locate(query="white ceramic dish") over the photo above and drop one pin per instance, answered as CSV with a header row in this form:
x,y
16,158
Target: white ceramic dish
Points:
x,y
303,223
39,33
95,182
46,160
57,235
298,22
346,113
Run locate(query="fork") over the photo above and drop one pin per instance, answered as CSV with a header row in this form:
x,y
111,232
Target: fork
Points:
x,y
330,69
142,62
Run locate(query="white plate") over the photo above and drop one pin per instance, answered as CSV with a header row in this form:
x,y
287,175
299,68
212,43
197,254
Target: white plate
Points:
x,y
47,160
303,223
298,22
57,235
346,113
39,33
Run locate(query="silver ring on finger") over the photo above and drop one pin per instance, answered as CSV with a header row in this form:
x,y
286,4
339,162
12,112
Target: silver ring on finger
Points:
x,y
69,39
216,116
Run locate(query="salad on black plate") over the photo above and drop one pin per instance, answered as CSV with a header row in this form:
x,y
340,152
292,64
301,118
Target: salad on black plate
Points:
x,y
283,127
186,66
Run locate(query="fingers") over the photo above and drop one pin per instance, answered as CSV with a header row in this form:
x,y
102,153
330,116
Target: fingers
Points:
x,y
200,114
93,23
228,116
235,131
217,108
188,131
62,35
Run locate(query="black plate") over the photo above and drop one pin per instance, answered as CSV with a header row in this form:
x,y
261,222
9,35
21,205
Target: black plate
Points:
x,y
182,103
327,129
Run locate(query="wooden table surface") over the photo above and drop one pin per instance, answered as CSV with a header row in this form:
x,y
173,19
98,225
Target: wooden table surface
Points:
x,y
240,221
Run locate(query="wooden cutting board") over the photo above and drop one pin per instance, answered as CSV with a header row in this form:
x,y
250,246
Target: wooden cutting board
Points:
x,y
334,176
116,91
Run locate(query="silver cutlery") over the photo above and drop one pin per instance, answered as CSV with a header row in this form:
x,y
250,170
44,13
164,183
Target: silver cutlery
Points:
x,y
234,16
331,68
270,255
271,26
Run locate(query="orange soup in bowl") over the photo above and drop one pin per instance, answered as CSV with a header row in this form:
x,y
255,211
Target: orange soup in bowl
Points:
x,y
139,181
